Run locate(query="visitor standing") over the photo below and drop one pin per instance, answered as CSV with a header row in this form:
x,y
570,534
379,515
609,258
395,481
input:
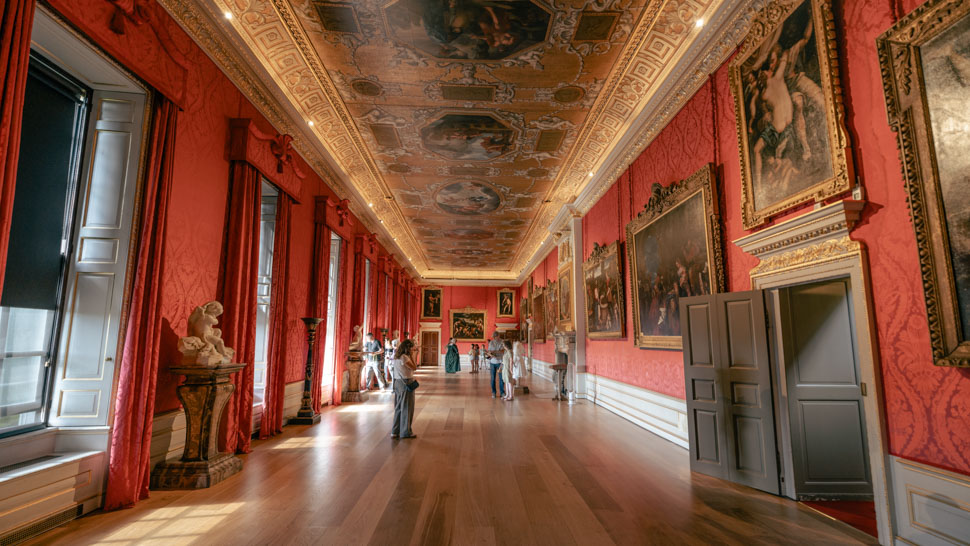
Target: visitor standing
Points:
x,y
452,360
494,353
473,357
372,356
518,361
402,369
507,371
390,346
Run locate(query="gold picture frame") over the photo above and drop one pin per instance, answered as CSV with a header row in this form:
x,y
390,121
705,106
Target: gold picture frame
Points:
x,y
505,303
538,309
792,140
604,289
564,283
551,294
431,301
668,260
469,324
921,57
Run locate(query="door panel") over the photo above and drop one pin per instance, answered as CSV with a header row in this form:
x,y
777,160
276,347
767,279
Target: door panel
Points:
x,y
705,407
829,451
429,349
746,377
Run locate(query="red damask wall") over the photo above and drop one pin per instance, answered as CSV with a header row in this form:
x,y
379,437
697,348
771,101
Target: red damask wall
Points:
x,y
927,407
544,273
199,194
478,297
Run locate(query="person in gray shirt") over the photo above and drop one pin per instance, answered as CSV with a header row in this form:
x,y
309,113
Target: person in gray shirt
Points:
x,y
494,352
372,365
402,369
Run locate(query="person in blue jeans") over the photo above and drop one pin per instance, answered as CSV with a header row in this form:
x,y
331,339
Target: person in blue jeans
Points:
x,y
494,352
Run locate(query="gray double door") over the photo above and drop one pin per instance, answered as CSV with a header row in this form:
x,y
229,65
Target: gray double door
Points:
x,y
763,414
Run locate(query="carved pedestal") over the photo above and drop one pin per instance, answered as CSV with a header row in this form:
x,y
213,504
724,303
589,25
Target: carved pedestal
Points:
x,y
203,395
306,415
355,361
565,363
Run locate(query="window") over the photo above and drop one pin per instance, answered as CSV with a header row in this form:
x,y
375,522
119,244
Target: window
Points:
x,y
55,114
264,288
333,291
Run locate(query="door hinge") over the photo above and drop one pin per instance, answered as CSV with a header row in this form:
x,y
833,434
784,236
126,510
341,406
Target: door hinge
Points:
x,y
863,388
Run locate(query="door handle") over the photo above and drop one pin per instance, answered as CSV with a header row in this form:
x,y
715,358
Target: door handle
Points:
x,y
862,387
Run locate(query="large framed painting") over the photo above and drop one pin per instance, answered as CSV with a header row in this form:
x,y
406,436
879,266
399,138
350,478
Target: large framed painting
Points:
x,y
925,62
551,294
430,303
674,251
538,309
787,98
603,282
468,324
506,303
565,284
523,314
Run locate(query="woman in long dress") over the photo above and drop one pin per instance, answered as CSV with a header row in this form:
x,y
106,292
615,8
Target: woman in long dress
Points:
x,y
507,371
452,360
518,361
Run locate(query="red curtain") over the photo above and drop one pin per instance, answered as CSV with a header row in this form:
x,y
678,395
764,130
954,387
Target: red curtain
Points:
x,y
320,287
16,19
344,330
241,265
357,300
131,435
372,312
272,422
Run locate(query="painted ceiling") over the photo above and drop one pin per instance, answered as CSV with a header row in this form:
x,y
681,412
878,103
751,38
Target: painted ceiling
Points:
x,y
464,125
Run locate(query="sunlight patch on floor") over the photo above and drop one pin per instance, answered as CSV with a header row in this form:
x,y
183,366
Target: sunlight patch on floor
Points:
x,y
172,525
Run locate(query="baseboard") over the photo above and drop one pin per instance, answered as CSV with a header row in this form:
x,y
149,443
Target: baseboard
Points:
x,y
292,399
662,415
54,486
931,505
168,436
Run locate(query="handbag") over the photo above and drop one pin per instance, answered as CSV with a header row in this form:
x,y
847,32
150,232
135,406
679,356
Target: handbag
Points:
x,y
413,384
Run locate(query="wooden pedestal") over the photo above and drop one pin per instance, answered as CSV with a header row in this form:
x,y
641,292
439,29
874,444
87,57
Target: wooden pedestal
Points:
x,y
204,396
355,362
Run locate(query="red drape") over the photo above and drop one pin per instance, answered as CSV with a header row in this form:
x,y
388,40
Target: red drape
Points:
x,y
239,300
344,330
320,287
357,300
16,19
272,422
131,435
371,325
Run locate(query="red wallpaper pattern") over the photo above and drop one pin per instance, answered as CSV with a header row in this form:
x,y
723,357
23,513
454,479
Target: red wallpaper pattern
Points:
x,y
479,297
201,178
928,408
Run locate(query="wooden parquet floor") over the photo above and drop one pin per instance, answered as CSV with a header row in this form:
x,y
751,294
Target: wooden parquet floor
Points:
x,y
482,471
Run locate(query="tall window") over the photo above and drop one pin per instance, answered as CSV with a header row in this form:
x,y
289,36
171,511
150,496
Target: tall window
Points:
x,y
264,287
333,290
367,296
40,243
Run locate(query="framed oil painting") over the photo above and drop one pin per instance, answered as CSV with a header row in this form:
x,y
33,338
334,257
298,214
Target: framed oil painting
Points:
x,y
925,60
523,314
538,309
603,283
506,303
551,294
430,303
787,100
565,284
674,251
468,324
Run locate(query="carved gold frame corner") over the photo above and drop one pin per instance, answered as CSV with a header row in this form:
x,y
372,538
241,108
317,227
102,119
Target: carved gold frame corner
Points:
x,y
765,23
909,116
605,252
665,199
498,302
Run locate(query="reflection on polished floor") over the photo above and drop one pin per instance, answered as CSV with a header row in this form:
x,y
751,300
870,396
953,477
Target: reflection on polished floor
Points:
x,y
482,471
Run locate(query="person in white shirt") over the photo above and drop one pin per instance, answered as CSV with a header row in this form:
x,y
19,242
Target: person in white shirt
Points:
x,y
372,355
494,352
402,370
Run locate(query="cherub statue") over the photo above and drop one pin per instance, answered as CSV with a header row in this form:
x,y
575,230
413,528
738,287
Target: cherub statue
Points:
x,y
203,345
355,343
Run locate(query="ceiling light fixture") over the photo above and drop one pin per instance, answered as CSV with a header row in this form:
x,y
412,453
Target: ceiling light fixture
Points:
x,y
699,23
370,204
310,123
591,173
227,14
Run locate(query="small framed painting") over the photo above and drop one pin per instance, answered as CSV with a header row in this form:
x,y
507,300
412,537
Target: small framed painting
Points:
x,y
506,303
538,315
551,293
430,303
565,284
605,303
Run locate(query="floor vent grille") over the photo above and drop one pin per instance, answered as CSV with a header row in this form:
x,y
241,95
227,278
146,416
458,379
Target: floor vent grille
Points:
x,y
42,526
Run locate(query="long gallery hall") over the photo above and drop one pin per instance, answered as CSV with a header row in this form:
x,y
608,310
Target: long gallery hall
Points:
x,y
485,272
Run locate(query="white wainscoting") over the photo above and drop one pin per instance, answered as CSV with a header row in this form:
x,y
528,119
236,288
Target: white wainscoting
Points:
x,y
66,482
292,400
931,505
662,415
